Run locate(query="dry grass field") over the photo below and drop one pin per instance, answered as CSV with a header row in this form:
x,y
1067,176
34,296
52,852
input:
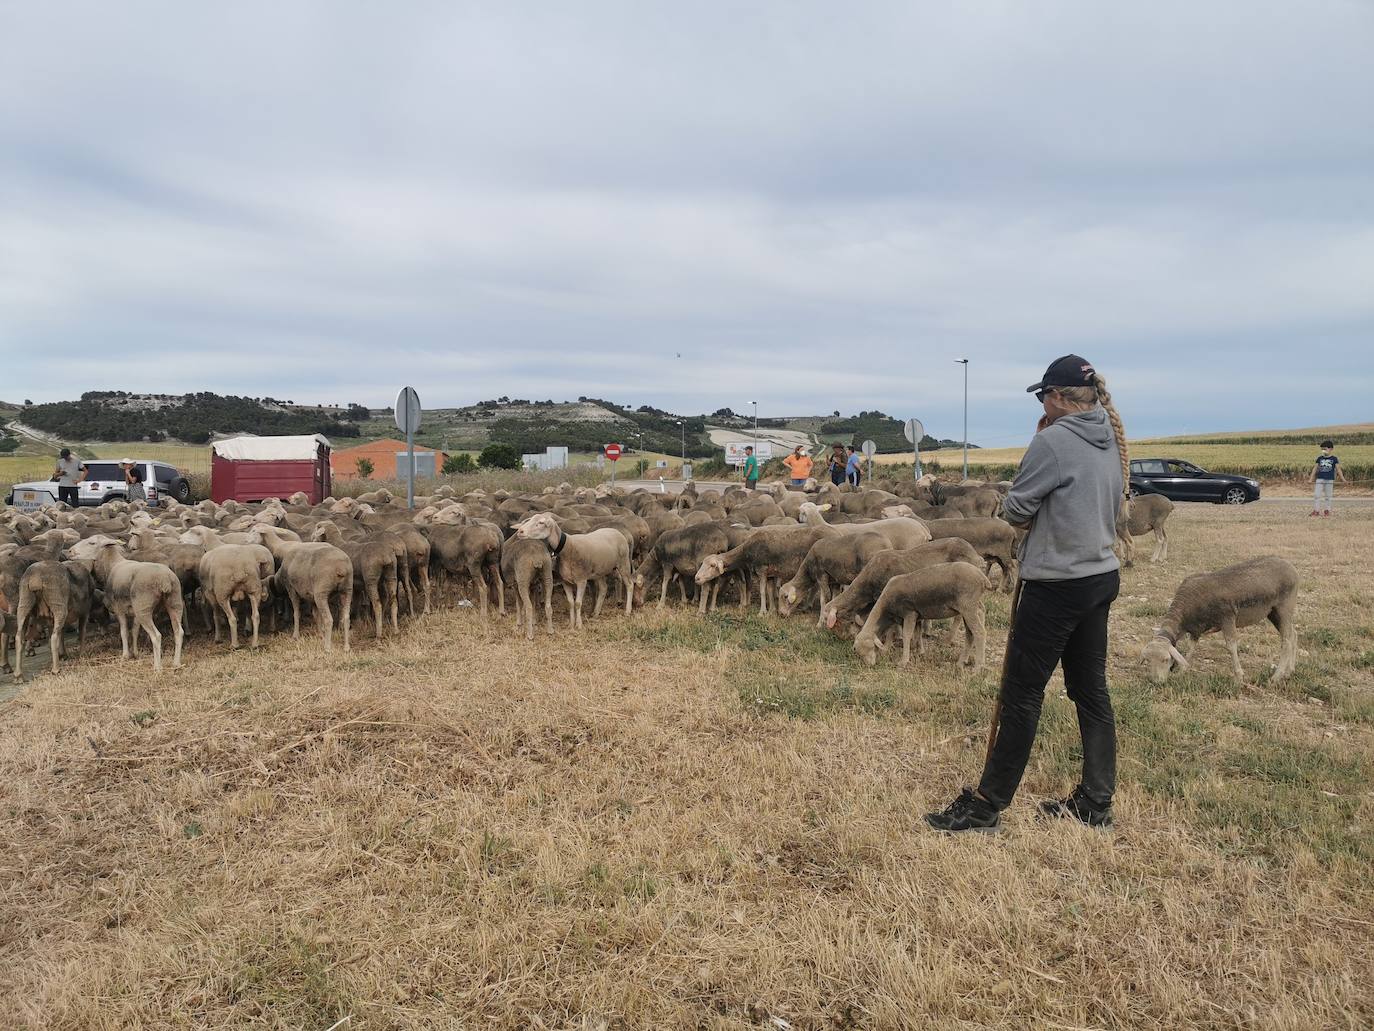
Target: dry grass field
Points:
x,y
674,822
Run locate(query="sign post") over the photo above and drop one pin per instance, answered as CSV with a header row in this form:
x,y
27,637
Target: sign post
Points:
x,y
869,448
408,421
914,431
613,455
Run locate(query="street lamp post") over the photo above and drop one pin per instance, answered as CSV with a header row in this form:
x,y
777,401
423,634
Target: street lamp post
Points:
x,y
756,434
964,363
684,440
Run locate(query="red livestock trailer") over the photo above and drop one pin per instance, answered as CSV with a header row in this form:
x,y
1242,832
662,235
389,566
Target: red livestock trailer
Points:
x,y
254,468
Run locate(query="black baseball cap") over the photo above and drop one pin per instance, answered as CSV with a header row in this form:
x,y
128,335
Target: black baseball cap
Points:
x,y
1068,371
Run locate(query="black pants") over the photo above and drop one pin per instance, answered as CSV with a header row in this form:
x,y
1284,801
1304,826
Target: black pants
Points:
x,y
1058,621
68,494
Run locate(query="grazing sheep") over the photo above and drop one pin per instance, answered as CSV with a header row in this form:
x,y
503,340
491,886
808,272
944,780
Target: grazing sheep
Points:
x,y
1145,513
769,554
61,593
994,539
316,571
474,549
582,557
374,568
522,560
1227,600
134,592
855,600
835,560
235,572
677,554
939,592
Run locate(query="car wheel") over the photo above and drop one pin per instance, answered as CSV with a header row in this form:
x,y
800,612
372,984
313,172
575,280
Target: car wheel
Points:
x,y
1235,496
181,490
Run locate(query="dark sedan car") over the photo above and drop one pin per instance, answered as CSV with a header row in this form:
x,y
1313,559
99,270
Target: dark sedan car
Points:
x,y
1183,481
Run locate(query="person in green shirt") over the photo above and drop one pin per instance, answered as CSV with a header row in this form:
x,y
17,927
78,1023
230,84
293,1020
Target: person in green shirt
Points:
x,y
751,469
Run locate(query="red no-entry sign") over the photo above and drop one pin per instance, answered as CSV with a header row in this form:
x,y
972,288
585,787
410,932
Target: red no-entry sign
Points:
x,y
613,451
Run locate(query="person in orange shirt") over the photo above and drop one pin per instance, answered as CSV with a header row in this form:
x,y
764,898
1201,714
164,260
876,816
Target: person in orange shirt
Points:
x,y
799,464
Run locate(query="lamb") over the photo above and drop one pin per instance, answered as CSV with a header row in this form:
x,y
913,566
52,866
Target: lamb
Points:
x,y
374,568
134,592
235,572
678,554
316,571
860,595
768,554
1226,600
1146,512
582,557
60,592
474,549
994,539
835,559
521,562
950,589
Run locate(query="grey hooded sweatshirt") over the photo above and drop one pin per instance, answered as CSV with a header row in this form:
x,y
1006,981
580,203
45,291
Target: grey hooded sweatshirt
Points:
x,y
1070,484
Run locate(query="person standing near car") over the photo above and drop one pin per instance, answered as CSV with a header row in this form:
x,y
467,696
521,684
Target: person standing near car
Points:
x,y
69,473
835,464
1068,492
133,480
1324,474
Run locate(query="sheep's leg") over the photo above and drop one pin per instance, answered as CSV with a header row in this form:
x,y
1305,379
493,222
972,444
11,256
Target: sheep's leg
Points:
x,y
120,616
763,592
525,605
348,600
393,583
822,599
1161,545
603,588
975,625
295,614
1232,638
20,617
548,598
663,591
81,634
500,588
424,585
572,605
144,618
1282,618
715,593
214,611
682,586
324,619
178,634
233,623
909,622
374,598
581,592
704,595
628,584
253,608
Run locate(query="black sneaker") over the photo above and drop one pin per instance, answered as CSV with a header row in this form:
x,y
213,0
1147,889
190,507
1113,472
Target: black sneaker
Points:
x,y
968,812
1077,806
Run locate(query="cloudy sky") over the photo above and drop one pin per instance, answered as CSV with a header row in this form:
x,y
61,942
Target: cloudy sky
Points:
x,y
817,206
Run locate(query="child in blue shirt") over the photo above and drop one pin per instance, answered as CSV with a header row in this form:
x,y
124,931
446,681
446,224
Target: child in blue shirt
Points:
x,y
1324,473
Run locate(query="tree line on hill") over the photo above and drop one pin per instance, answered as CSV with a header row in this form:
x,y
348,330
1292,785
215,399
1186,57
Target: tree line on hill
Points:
x,y
107,415
885,431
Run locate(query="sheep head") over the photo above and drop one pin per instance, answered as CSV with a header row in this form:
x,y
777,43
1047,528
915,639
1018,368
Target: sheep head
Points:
x,y
539,527
91,548
867,645
787,598
898,512
1160,656
712,566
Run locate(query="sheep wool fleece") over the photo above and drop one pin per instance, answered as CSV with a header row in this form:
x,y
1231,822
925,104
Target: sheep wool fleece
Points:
x,y
1070,484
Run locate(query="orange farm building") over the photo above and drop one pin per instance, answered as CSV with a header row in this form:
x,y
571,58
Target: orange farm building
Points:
x,y
383,455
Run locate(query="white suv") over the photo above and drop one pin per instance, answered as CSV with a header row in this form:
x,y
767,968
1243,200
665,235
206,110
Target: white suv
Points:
x,y
104,482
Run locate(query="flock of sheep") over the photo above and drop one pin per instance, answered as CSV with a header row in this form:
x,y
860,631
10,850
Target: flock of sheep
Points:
x,y
873,563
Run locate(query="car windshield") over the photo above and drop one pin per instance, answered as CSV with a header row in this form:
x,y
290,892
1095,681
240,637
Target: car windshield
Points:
x,y
105,471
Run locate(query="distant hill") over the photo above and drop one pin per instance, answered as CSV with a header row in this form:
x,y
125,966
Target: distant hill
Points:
x,y
528,425
1351,433
193,418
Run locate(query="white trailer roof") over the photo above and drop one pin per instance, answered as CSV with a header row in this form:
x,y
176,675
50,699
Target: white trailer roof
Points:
x,y
270,449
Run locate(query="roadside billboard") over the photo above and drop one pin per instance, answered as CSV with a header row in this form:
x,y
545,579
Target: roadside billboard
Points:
x,y
734,451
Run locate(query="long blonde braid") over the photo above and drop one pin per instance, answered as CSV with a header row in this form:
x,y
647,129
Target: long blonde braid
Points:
x,y
1098,392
